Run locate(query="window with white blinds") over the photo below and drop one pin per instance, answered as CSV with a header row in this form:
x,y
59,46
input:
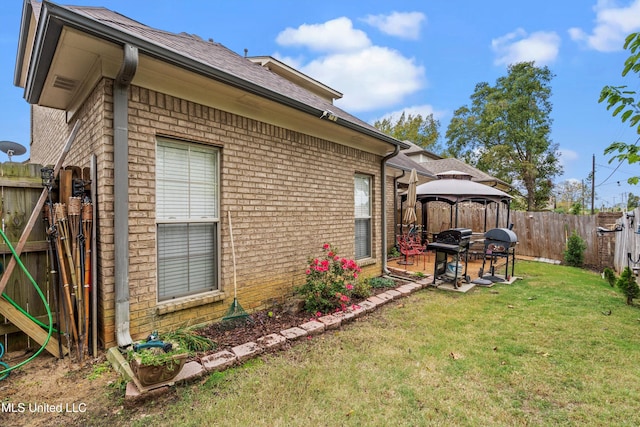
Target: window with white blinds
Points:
x,y
362,197
187,218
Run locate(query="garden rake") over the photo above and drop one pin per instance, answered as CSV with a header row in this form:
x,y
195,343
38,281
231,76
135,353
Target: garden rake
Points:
x,y
236,314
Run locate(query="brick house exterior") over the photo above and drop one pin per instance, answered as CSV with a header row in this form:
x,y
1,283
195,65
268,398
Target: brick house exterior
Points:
x,y
285,174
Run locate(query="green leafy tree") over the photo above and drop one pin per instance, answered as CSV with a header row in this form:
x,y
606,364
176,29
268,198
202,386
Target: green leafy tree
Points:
x,y
505,131
571,192
576,208
422,131
625,104
574,255
627,283
633,202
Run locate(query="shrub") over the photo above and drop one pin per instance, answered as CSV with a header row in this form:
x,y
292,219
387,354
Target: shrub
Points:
x,y
330,282
381,282
609,276
627,283
361,290
574,255
393,252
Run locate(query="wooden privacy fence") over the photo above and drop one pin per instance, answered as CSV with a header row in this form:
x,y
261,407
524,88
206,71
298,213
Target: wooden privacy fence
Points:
x,y
540,234
627,248
20,188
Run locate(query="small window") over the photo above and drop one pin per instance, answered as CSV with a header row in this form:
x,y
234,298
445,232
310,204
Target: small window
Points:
x,y
362,193
187,218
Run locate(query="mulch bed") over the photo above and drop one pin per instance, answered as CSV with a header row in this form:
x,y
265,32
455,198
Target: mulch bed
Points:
x,y
264,322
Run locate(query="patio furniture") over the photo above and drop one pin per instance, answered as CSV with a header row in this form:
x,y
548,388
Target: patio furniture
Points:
x,y
455,243
410,246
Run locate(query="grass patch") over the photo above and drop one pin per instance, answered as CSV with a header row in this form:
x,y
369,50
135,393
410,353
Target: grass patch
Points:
x,y
542,351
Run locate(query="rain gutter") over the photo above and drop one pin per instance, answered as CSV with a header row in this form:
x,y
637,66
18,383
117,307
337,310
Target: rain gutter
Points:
x,y
53,17
121,192
383,194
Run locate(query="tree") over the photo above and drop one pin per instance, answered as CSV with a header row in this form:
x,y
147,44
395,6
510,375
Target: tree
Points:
x,y
422,131
623,102
574,254
506,132
633,202
569,192
627,283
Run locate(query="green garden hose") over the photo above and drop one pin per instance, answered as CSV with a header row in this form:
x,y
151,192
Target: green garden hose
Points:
x,y
5,372
23,311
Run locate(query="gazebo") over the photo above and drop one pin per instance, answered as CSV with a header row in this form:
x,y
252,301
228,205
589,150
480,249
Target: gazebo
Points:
x,y
455,191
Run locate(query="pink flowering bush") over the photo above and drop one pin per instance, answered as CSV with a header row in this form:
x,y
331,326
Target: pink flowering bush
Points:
x,y
330,283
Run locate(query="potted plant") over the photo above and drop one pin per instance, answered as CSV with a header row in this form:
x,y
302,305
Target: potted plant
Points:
x,y
155,361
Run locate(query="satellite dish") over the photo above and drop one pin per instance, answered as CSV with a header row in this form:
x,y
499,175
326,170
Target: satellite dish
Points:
x,y
11,148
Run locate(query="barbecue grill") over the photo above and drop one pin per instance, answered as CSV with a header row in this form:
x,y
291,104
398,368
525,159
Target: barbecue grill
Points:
x,y
454,242
499,243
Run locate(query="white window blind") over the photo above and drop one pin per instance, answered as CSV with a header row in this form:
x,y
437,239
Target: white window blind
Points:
x,y
362,209
187,200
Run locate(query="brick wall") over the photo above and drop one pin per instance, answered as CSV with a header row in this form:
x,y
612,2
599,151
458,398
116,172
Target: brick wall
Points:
x,y
607,241
288,194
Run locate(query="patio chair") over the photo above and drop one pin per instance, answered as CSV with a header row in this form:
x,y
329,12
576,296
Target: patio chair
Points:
x,y
410,246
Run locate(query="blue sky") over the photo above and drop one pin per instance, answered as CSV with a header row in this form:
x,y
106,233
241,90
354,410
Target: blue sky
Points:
x,y
416,56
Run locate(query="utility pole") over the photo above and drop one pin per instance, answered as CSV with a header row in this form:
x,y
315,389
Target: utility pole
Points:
x,y
593,183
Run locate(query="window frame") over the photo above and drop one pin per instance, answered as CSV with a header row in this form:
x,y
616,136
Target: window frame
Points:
x,y
187,220
368,217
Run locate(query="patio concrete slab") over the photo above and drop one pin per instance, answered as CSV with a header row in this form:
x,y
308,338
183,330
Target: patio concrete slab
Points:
x,y
246,351
462,287
218,361
271,341
313,327
294,333
330,322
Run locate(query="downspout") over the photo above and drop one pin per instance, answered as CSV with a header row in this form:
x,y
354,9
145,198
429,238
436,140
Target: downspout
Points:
x,y
121,191
395,202
383,193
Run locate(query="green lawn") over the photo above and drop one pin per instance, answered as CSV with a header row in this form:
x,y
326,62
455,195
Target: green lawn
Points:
x,y
542,351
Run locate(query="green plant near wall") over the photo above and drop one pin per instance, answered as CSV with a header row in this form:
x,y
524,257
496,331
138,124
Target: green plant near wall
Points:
x,y
189,339
609,276
155,356
393,252
381,282
627,283
574,255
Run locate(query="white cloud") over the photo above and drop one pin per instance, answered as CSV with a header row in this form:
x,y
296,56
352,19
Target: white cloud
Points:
x,y
371,78
405,25
337,35
613,24
518,46
567,156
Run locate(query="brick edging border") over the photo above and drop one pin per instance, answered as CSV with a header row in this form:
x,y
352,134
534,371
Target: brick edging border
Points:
x,y
225,359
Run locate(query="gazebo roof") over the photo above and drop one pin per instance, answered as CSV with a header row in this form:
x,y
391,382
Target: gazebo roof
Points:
x,y
454,191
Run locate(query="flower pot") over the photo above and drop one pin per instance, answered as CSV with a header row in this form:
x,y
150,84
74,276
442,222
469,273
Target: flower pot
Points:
x,y
150,374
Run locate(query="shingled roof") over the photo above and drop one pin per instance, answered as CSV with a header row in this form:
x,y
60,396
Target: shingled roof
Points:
x,y
205,57
451,164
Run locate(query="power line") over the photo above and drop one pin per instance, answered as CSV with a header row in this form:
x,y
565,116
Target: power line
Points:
x,y
616,168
